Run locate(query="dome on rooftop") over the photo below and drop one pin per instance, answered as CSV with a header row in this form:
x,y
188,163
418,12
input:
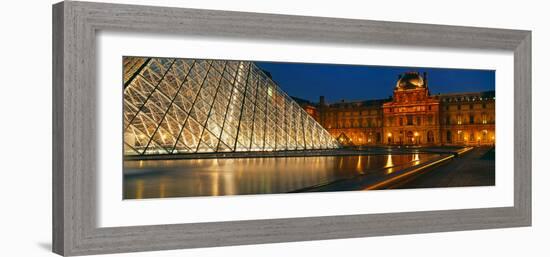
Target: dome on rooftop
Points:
x,y
410,80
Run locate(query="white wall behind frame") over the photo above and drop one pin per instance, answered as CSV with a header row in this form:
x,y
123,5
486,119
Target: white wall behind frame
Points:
x,y
26,183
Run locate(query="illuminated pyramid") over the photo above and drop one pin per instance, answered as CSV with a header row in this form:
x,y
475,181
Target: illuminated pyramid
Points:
x,y
177,106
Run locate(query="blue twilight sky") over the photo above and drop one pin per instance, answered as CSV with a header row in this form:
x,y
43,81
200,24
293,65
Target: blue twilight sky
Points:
x,y
354,82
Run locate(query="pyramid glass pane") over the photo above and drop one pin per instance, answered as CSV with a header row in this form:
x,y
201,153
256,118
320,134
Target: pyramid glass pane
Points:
x,y
180,106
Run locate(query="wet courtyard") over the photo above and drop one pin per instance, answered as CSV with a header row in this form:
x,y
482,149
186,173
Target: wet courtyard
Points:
x,y
241,176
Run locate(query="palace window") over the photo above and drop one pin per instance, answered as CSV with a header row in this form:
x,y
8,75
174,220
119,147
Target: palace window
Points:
x,y
448,120
430,120
449,136
471,119
460,136
418,121
400,121
409,120
484,118
430,136
459,119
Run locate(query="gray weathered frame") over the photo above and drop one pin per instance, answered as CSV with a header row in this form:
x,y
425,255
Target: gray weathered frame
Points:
x,y
74,130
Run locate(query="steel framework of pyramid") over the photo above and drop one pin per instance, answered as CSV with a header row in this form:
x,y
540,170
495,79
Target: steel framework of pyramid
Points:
x,y
177,106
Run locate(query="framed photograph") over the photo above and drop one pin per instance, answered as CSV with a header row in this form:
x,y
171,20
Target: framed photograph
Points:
x,y
183,128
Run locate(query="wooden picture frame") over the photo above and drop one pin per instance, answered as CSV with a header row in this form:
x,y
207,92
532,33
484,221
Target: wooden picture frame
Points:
x,y
74,130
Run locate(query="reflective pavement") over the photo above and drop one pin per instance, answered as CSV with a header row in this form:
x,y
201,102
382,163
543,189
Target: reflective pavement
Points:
x,y
240,176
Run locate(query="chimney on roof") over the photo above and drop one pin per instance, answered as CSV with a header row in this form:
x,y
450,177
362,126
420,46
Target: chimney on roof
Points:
x,y
426,79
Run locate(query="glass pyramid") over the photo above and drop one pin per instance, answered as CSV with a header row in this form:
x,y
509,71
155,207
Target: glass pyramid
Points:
x,y
177,106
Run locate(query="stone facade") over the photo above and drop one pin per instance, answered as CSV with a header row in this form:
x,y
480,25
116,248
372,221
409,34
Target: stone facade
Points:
x,y
411,117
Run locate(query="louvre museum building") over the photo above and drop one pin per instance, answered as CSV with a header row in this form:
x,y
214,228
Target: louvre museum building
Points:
x,y
412,116
178,106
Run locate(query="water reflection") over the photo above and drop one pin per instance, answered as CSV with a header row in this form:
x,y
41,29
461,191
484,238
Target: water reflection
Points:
x,y
389,164
212,177
416,159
